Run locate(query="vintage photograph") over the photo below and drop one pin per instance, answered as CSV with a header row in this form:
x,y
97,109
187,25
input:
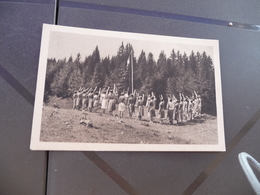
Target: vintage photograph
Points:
x,y
117,91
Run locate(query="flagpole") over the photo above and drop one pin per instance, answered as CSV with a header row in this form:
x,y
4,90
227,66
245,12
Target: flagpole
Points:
x,y
132,71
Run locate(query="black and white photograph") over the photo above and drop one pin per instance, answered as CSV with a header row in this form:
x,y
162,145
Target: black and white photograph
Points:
x,y
100,90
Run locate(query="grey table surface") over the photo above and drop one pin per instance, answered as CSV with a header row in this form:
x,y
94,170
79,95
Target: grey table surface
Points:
x,y
26,172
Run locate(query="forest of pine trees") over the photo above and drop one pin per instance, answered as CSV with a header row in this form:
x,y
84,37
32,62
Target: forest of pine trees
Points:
x,y
177,73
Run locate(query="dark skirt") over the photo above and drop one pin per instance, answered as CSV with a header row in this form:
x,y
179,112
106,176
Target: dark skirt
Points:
x,y
162,113
131,108
170,114
152,112
140,111
111,105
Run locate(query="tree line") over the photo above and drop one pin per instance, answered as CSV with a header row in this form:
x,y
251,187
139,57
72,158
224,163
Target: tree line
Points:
x,y
178,73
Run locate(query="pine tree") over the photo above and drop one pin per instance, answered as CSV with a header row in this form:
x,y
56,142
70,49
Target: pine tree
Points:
x,y
148,83
59,85
192,61
180,70
75,79
162,66
70,59
142,69
99,76
172,64
150,65
78,63
92,62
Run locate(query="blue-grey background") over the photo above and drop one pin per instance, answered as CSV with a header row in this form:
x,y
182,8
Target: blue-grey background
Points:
x,y
26,172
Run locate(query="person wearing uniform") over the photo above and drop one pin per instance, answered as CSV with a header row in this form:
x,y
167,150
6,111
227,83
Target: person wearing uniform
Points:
x,y
151,108
195,106
104,100
199,105
84,101
121,105
180,111
79,99
96,101
131,105
148,100
90,100
170,111
189,108
184,109
140,107
111,103
161,110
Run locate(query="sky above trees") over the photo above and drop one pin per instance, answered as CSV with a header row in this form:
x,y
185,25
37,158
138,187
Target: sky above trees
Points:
x,y
63,45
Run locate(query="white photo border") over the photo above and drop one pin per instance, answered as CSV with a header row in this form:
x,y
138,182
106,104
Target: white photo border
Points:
x,y
36,144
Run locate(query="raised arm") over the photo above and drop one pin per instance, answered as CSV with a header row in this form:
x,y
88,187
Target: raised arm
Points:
x,y
134,93
107,90
183,98
114,88
95,89
89,90
137,94
173,97
180,96
196,95
154,98
161,97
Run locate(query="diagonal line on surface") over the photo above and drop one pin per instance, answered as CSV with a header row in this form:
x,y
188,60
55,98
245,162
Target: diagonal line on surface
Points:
x,y
16,85
10,79
221,156
111,173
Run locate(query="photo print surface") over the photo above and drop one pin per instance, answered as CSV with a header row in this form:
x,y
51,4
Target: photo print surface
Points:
x,y
116,91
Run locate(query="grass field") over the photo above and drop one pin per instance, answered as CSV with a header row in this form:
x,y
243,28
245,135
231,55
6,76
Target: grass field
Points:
x,y
63,125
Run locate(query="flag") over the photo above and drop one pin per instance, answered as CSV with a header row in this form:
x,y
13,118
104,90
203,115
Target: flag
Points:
x,y
128,61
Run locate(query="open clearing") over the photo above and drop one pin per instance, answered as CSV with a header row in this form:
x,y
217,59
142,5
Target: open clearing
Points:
x,y
63,125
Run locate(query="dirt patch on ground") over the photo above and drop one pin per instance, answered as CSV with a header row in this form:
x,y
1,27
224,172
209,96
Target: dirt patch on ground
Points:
x,y
63,125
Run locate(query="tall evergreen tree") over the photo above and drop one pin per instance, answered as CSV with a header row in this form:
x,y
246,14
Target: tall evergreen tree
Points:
x,y
192,61
180,71
121,72
99,76
162,65
59,86
148,83
75,79
142,68
91,64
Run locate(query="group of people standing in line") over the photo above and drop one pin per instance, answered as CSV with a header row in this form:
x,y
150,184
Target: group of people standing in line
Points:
x,y
182,110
